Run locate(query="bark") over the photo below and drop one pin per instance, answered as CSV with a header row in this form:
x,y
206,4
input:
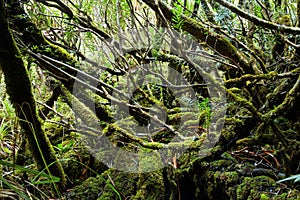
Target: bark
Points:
x,y
18,88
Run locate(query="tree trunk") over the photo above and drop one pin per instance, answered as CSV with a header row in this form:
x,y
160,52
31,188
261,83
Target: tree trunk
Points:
x,y
19,89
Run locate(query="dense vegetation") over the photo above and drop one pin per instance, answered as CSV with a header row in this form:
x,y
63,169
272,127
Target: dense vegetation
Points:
x,y
149,99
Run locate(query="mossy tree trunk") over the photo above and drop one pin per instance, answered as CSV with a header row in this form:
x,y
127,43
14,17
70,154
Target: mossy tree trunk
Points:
x,y
19,89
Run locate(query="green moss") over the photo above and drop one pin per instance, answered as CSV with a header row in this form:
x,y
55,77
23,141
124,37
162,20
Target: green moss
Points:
x,y
284,20
54,132
121,161
244,141
149,160
88,189
119,184
150,186
85,114
109,185
80,164
222,182
59,52
288,194
264,197
253,187
227,135
245,103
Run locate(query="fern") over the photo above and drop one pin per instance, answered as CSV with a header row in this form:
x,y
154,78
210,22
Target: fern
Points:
x,y
176,18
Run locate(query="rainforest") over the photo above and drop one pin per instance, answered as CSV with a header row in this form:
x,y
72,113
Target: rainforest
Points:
x,y
149,99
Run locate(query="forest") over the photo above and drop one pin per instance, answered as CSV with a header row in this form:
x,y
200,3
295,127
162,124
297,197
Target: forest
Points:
x,y
149,99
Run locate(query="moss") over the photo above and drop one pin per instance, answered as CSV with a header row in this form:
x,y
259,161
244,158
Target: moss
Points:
x,y
229,157
288,194
223,182
227,135
109,185
79,165
59,52
245,103
125,162
151,183
88,189
250,77
264,197
118,134
119,184
54,132
254,187
245,141
220,165
284,20
150,186
149,160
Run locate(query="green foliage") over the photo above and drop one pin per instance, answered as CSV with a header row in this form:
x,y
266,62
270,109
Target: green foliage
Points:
x,y
225,18
49,178
42,150
13,188
18,189
64,147
258,11
8,110
204,107
177,19
4,130
7,126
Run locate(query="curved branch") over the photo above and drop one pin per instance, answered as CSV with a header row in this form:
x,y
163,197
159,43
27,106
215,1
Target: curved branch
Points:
x,y
257,21
59,5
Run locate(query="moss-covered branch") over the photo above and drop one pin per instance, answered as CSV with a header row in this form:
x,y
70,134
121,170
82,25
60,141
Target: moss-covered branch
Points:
x,y
286,105
268,76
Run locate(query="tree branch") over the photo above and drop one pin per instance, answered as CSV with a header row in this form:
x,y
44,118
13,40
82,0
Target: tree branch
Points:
x,y
257,21
215,41
286,105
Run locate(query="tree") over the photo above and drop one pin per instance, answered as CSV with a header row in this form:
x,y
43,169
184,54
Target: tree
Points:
x,y
19,90
158,82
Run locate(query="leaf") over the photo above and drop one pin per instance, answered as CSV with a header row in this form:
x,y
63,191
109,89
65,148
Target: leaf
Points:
x,y
32,171
14,188
296,177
